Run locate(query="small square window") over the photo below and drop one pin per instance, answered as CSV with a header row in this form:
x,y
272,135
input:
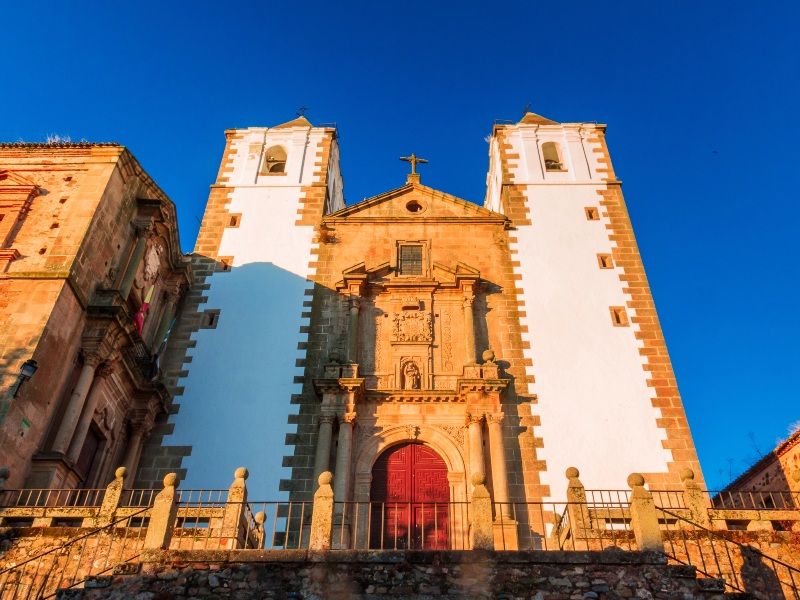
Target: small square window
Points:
x,y
592,214
605,261
409,261
619,316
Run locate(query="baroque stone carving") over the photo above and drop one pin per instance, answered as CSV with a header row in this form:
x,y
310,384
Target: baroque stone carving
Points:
x,y
455,432
412,326
378,343
447,342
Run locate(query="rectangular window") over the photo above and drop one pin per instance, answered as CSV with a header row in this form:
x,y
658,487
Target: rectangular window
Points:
x,y
410,260
605,261
619,317
592,214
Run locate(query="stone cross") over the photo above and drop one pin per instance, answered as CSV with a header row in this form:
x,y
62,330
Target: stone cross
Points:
x,y
413,159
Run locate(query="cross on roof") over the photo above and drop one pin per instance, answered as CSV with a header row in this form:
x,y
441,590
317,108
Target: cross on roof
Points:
x,y
301,112
413,159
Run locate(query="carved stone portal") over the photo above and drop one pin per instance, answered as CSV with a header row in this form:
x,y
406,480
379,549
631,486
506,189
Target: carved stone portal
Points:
x,y
412,326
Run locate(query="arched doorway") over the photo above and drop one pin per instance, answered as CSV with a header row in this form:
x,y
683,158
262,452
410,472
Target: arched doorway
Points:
x,y
410,497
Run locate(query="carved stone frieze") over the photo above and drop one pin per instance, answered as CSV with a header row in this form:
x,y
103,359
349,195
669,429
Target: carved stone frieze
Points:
x,y
412,326
456,432
447,342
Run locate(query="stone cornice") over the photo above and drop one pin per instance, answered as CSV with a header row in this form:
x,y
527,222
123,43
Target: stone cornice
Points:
x,y
413,396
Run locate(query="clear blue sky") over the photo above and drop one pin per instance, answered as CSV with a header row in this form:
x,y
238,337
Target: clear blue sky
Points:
x,y
701,99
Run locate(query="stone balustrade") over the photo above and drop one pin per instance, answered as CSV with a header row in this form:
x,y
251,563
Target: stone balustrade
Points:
x,y
636,520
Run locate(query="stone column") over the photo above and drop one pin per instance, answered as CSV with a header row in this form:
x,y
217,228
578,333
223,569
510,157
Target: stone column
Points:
x,y
469,328
79,437
341,478
139,432
498,457
476,466
72,414
322,457
142,234
352,330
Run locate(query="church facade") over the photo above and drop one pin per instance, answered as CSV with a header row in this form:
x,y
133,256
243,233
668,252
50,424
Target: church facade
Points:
x,y
415,342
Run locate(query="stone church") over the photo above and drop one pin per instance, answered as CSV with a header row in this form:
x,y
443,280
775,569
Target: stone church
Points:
x,y
415,340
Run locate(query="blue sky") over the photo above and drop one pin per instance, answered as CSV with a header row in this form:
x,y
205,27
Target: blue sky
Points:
x,y
700,98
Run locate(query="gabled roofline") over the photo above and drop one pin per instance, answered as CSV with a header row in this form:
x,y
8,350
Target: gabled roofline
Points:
x,y
412,186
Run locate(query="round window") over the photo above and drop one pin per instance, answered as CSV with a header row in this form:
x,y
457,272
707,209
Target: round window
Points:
x,y
414,207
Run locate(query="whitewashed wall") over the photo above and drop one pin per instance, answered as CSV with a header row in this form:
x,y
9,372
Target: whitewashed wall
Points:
x,y
236,402
595,407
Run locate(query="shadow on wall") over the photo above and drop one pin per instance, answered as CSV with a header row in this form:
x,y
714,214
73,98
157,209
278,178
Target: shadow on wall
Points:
x,y
237,395
758,576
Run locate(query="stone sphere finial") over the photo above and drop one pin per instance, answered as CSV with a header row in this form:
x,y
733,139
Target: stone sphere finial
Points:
x,y
260,517
687,474
635,480
241,473
478,479
572,473
488,355
120,473
170,479
325,478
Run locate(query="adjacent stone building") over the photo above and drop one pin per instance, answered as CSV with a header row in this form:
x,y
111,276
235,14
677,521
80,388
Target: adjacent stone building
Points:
x,y
414,341
773,481
91,276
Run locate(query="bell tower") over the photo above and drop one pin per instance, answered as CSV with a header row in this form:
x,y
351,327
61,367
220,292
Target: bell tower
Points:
x,y
597,363
237,354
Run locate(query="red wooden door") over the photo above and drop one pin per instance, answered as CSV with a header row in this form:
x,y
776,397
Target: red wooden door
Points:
x,y
410,496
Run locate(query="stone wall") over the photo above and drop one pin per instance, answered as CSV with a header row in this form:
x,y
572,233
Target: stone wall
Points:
x,y
536,575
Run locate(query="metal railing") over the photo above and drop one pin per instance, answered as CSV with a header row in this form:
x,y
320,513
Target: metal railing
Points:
x,y
207,523
743,568
597,524
88,555
53,498
137,497
401,525
666,498
755,500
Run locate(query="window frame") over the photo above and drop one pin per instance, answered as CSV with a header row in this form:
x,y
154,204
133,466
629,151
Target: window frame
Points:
x,y
397,262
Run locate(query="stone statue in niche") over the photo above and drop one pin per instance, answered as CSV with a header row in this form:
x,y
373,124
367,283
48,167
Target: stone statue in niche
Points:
x,y
411,377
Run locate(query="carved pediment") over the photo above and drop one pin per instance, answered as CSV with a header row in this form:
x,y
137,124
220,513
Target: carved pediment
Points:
x,y
415,201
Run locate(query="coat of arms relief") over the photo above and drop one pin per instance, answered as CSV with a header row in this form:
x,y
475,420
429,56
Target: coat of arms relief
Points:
x,y
412,326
